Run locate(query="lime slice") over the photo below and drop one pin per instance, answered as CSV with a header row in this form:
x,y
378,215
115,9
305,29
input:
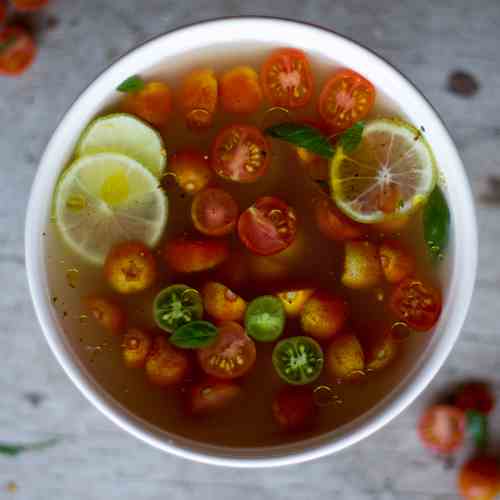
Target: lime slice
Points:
x,y
390,173
125,134
107,198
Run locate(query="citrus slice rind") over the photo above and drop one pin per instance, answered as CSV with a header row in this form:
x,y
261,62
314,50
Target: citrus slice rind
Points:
x,y
393,162
107,198
125,134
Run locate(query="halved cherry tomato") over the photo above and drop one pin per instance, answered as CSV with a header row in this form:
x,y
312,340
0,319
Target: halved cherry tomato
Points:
x,y
212,395
346,98
191,170
239,90
333,224
214,212
27,5
135,347
240,153
17,50
222,303
3,10
442,428
475,396
362,267
198,98
479,479
153,103
294,299
268,226
107,313
294,408
232,355
190,256
416,304
287,79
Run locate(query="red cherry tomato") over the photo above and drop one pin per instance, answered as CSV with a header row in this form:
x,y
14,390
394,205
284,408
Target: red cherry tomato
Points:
x,y
17,50
28,5
479,479
268,226
333,224
294,408
232,355
240,153
442,428
214,212
287,79
475,396
346,98
3,10
416,304
191,170
212,395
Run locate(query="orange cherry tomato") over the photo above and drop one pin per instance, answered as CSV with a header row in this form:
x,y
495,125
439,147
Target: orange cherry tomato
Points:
x,y
239,90
3,10
333,224
17,50
214,212
190,256
198,98
240,153
135,347
479,479
294,299
442,428
294,408
287,79
212,395
107,313
391,226
346,98
395,260
362,267
165,364
232,355
153,103
130,267
475,396
191,170
222,303
268,226
29,5
418,305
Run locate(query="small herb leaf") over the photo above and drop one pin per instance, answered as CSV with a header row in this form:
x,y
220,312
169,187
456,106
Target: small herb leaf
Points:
x,y
436,219
351,138
194,335
8,43
304,136
16,449
477,427
132,84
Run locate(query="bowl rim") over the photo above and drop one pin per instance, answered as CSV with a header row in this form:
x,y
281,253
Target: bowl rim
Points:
x,y
384,411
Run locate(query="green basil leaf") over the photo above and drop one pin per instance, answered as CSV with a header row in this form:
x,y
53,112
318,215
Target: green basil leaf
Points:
x,y
351,138
436,220
194,335
16,449
477,427
132,84
8,43
304,136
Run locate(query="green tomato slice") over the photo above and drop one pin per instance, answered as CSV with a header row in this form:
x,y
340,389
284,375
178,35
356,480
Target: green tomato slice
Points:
x,y
298,360
265,318
176,306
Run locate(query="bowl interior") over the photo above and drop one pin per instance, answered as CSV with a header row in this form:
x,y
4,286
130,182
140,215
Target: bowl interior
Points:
x,y
245,40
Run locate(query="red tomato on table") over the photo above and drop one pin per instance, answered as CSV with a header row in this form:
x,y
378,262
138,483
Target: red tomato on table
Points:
x,y
28,5
479,479
17,50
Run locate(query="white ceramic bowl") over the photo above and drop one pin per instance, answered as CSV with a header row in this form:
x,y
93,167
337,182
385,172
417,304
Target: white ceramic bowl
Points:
x,y
166,50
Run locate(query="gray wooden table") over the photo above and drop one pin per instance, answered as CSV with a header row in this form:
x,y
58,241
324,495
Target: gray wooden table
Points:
x,y
427,40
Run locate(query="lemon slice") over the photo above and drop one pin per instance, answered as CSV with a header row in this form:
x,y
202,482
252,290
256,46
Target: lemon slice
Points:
x,y
125,134
390,173
107,198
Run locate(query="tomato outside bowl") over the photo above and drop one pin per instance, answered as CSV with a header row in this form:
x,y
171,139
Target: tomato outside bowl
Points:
x,y
164,52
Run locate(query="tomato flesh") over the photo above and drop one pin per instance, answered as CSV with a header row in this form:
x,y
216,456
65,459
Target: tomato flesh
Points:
x,y
240,153
333,224
212,395
287,79
418,305
28,5
232,355
107,313
17,50
442,428
214,212
475,396
267,227
191,170
294,409
240,90
479,478
346,98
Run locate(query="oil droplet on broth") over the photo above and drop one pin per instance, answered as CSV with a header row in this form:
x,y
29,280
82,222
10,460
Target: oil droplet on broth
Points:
x,y
379,294
83,318
275,116
400,331
323,395
72,275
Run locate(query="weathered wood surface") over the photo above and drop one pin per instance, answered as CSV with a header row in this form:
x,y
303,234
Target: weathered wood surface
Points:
x,y
426,40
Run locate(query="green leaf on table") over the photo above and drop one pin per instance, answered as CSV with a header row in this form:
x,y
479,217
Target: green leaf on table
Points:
x,y
351,138
15,449
194,335
477,427
303,136
436,220
132,84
